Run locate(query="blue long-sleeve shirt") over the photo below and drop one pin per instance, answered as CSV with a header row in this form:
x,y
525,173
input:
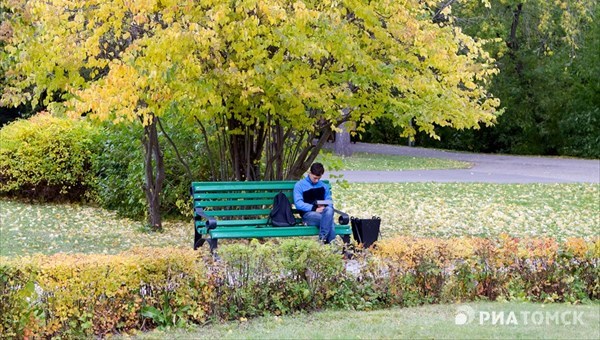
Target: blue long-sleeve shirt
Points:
x,y
306,193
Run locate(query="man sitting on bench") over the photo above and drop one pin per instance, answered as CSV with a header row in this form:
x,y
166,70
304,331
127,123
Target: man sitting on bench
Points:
x,y
313,200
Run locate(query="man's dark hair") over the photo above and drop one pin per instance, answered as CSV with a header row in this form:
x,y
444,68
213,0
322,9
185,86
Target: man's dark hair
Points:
x,y
317,169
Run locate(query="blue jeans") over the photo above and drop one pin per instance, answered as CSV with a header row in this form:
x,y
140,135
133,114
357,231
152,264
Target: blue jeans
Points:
x,y
325,222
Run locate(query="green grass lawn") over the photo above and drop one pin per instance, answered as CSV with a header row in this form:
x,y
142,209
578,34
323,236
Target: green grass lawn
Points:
x,y
417,209
68,228
476,209
533,321
377,162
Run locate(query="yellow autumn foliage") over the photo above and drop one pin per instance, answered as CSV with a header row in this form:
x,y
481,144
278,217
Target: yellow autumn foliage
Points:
x,y
123,60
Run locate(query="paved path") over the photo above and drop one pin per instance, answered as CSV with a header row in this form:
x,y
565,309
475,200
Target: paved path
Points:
x,y
486,168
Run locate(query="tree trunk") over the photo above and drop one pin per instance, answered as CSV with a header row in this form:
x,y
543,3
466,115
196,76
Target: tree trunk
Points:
x,y
246,149
186,167
512,42
154,174
307,154
211,156
341,146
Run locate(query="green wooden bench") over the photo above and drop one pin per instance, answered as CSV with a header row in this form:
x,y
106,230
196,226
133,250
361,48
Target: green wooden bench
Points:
x,y
228,210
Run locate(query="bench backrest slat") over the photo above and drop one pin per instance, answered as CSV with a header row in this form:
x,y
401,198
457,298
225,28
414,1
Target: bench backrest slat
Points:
x,y
249,222
242,186
246,212
236,203
240,195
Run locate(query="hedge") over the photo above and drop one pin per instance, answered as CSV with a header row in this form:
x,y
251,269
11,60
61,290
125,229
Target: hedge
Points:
x,y
47,158
96,295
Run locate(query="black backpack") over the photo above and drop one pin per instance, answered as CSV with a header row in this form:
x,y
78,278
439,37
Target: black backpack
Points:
x,y
281,214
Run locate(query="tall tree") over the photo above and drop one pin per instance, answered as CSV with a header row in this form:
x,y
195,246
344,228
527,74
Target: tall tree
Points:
x,y
267,82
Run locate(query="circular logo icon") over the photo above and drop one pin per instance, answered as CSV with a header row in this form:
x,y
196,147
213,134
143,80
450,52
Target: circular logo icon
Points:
x,y
464,315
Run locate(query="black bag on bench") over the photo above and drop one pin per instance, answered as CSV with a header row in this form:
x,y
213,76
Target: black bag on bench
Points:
x,y
281,215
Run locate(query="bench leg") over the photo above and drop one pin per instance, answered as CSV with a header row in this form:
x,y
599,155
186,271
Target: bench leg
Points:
x,y
213,243
346,250
198,240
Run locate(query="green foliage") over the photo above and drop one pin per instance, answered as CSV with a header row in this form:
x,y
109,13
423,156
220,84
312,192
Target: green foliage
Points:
x,y
383,131
17,309
120,170
166,317
548,79
47,158
582,132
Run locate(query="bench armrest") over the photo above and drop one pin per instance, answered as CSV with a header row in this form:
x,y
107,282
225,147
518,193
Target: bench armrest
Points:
x,y
211,222
344,219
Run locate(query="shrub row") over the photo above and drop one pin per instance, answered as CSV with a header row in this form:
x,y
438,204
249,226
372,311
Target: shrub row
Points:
x,y
86,295
463,269
80,295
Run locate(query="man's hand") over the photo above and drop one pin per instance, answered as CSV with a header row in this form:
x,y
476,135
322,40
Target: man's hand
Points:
x,y
320,208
